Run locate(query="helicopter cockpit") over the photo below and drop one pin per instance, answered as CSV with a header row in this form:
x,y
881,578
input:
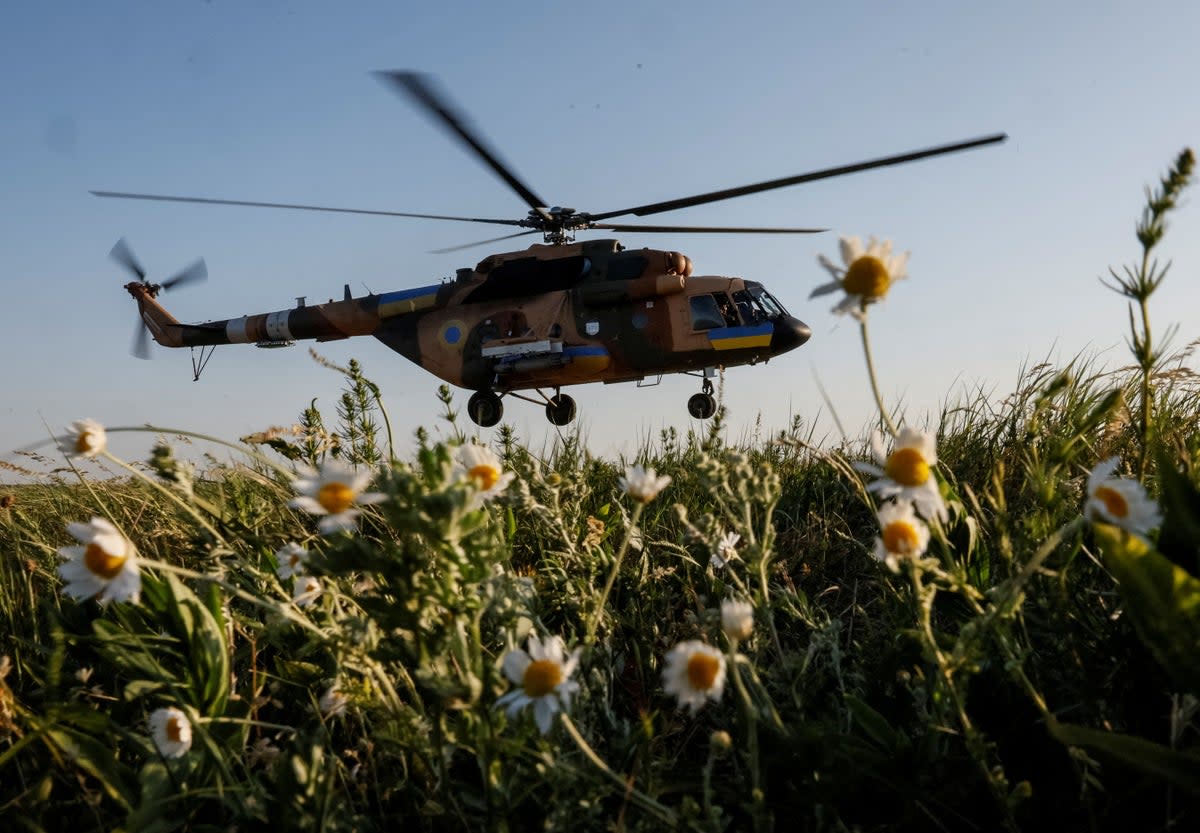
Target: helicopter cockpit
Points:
x,y
746,307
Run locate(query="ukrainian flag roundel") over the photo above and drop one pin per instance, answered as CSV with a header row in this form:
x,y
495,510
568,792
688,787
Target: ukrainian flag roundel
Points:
x,y
453,334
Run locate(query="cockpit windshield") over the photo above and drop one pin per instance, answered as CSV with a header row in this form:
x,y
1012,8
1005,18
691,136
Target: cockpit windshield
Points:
x,y
756,304
768,301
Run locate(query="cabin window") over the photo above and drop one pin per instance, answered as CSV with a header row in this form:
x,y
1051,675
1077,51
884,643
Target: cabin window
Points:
x,y
706,313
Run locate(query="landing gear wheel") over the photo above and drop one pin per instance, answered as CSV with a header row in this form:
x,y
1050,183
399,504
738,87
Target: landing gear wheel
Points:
x,y
560,409
485,408
702,405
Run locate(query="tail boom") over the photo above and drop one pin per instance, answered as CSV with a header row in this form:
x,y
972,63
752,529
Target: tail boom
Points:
x,y
322,322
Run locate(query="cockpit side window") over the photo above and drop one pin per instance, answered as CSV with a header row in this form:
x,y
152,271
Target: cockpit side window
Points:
x,y
706,313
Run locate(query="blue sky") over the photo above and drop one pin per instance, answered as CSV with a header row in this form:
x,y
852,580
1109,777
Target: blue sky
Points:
x,y
597,106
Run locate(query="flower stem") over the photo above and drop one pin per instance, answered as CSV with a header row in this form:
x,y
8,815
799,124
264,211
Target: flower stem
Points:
x,y
612,576
883,412
638,797
249,452
750,716
200,519
1147,372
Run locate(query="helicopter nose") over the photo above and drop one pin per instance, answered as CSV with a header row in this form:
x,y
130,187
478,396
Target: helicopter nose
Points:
x,y
789,334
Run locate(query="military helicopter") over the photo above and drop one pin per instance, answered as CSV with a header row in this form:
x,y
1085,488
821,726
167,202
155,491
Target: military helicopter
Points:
x,y
558,313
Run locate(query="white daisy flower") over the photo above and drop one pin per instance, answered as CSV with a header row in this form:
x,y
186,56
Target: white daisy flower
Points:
x,y
482,467
907,473
104,566
1120,500
291,558
305,591
867,276
737,619
543,677
171,732
333,491
333,703
901,535
694,673
85,438
726,550
643,485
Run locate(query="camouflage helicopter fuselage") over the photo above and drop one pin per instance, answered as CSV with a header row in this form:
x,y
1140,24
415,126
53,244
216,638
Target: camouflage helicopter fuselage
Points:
x,y
545,317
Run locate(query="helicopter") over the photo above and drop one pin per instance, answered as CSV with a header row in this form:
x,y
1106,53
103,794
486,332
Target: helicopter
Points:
x,y
555,314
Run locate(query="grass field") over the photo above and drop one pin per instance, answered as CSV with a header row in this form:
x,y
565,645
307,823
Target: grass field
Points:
x,y
992,623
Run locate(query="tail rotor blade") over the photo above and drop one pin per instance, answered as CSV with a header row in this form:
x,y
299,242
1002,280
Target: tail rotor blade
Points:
x,y
123,255
141,340
195,273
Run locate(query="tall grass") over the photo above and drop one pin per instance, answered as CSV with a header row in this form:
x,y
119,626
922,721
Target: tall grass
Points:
x,y
1035,667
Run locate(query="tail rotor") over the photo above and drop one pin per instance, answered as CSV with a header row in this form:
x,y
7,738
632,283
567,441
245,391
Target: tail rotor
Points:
x,y
123,254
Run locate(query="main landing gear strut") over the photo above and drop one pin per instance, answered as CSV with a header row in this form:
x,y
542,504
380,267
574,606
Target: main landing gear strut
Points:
x,y
486,409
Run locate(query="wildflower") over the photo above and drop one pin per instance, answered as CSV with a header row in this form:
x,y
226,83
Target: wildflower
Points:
x,y
720,741
333,491
292,559
171,732
262,753
902,535
333,702
643,485
695,672
1119,500
595,533
305,591
543,675
737,619
867,276
104,566
85,438
482,467
726,550
907,473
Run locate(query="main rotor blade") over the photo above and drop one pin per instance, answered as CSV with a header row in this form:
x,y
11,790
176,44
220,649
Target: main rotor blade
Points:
x,y
420,88
705,229
209,201
198,271
729,193
480,243
141,340
123,255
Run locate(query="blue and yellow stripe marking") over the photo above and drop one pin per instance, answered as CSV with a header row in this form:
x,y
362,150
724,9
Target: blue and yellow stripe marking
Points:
x,y
588,358
407,300
739,338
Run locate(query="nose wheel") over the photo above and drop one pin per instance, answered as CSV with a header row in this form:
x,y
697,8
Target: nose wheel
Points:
x,y
560,409
703,405
485,408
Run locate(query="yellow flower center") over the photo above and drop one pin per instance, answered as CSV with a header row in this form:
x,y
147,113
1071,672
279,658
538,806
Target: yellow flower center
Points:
x,y
86,442
702,671
335,497
1113,501
907,467
541,677
102,563
485,476
174,729
868,277
901,537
